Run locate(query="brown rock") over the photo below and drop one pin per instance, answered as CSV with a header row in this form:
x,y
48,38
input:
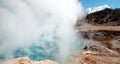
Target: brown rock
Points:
x,y
106,18
96,55
26,60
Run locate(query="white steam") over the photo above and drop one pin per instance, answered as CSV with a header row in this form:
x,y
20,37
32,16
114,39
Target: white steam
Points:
x,y
22,22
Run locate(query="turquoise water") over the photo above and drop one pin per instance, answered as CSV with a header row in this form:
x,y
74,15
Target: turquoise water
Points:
x,y
41,51
37,51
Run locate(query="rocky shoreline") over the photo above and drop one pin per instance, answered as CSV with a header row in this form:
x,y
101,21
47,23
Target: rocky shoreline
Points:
x,y
96,55
90,55
26,60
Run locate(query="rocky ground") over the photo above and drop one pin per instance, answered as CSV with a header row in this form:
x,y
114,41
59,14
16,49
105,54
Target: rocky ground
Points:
x,y
106,46
96,55
26,60
105,19
90,55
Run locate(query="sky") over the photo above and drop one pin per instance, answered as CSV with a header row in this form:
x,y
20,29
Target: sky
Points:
x,y
94,3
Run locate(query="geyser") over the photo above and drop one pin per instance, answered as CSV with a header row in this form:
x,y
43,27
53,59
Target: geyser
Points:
x,y
24,23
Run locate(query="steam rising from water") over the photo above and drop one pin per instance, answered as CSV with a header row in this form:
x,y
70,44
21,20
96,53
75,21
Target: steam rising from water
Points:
x,y
27,22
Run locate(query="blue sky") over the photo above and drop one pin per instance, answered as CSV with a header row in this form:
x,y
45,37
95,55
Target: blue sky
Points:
x,y
95,3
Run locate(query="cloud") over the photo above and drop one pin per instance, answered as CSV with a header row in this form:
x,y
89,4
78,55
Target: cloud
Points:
x,y
91,10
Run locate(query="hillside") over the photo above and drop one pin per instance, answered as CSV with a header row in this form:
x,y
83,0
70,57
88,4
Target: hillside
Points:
x,y
101,28
105,18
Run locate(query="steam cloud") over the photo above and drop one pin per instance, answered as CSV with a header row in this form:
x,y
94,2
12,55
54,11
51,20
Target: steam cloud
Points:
x,y
22,22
